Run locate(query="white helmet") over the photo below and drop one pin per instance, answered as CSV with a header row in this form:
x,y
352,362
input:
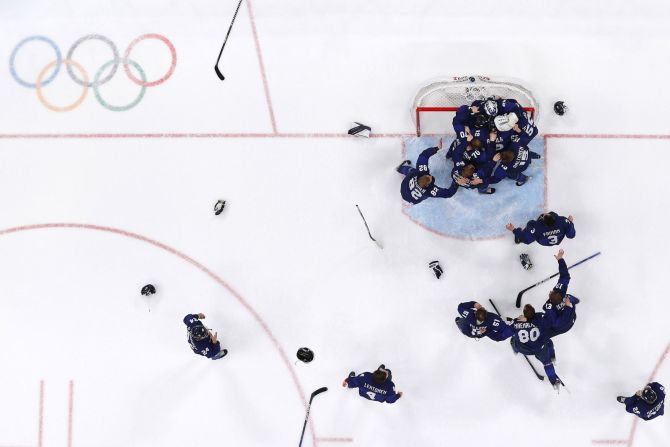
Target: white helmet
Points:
x,y
491,107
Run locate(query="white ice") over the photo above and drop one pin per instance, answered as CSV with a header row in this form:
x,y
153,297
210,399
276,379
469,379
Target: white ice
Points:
x,y
88,361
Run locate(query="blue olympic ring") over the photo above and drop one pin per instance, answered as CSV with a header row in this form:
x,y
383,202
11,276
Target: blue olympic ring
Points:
x,y
12,58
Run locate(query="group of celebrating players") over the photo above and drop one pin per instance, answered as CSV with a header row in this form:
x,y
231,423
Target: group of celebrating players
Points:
x,y
491,145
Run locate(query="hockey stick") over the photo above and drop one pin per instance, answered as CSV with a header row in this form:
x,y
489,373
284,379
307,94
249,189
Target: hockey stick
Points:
x,y
518,297
537,374
216,65
315,393
368,228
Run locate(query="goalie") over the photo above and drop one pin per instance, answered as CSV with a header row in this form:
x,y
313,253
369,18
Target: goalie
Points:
x,y
504,116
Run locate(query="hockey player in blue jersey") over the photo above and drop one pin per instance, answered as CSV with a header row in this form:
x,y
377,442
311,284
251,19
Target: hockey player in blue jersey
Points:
x,y
515,126
464,152
549,229
517,160
476,322
202,341
377,386
531,337
469,118
418,184
647,403
561,308
470,177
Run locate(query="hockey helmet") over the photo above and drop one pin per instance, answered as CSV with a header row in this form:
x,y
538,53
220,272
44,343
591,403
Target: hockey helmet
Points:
x,y
481,121
199,332
560,108
147,290
490,107
649,395
305,355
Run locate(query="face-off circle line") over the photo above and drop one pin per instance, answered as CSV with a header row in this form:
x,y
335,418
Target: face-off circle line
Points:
x,y
81,40
12,60
173,64
39,84
132,104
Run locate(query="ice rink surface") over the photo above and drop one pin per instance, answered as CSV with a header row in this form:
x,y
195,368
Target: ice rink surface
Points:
x,y
96,203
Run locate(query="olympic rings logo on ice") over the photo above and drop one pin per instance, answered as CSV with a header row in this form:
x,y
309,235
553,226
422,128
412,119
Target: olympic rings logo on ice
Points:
x,y
82,77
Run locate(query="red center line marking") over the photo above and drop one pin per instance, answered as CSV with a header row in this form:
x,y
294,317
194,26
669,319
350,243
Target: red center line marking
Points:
x,y
190,135
268,100
317,135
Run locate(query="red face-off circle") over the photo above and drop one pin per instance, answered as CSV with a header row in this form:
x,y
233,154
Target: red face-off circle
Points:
x,y
173,54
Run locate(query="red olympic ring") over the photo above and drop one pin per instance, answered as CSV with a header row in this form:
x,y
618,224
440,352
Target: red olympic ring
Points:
x,y
173,54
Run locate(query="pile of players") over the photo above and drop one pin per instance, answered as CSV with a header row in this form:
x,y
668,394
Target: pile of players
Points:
x,y
491,144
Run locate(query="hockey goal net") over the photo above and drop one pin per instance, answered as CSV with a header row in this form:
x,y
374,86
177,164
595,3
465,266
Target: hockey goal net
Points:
x,y
434,105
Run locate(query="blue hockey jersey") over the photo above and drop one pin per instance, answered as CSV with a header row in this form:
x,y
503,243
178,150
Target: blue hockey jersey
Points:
x,y
636,405
410,189
521,160
464,117
561,316
461,156
536,230
370,390
493,326
202,347
531,336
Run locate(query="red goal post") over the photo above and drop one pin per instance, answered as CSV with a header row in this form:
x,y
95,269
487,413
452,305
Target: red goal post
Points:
x,y
448,94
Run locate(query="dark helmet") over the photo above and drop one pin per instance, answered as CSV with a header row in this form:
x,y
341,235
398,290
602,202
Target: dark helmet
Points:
x,y
199,333
649,395
560,108
481,121
305,355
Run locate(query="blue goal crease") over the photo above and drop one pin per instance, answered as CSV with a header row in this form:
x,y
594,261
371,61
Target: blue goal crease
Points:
x,y
468,214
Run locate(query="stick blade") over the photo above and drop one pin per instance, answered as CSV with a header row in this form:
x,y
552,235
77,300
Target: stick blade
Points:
x,y
518,300
218,73
319,391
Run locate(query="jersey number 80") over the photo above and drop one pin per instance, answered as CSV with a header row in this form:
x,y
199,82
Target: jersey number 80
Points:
x,y
525,336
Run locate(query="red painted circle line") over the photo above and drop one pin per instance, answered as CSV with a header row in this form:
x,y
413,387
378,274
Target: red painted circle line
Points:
x,y
195,264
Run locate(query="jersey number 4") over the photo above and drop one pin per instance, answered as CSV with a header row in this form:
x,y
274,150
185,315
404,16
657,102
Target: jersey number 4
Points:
x,y
371,395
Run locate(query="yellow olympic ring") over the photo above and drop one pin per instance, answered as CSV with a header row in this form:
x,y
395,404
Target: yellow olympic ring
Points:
x,y
74,105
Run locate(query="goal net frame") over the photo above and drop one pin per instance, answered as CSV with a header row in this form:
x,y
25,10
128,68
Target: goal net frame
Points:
x,y
448,94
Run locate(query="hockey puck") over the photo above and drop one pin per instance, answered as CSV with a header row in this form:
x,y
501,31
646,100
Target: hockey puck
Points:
x,y
219,206
148,290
